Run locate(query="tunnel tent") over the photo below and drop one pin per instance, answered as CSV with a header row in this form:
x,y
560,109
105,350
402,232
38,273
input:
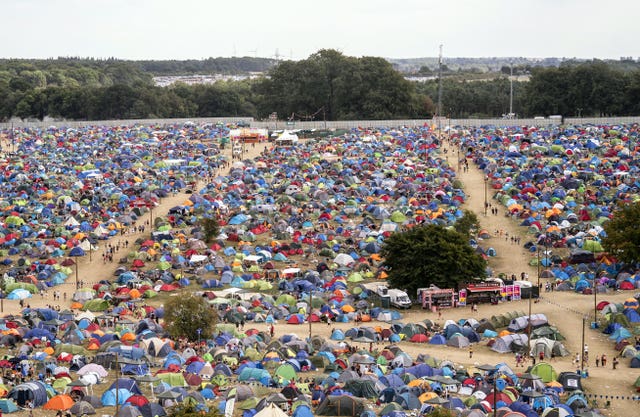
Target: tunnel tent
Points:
x,y
340,405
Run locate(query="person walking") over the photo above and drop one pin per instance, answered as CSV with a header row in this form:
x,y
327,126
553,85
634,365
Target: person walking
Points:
x,y
603,360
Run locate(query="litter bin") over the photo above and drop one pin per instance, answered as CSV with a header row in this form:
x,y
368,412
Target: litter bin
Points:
x,y
385,302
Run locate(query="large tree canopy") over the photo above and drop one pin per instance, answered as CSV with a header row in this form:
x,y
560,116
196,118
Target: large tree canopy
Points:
x,y
623,234
428,255
185,314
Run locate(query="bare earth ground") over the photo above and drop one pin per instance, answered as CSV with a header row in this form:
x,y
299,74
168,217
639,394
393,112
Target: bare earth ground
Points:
x,y
564,310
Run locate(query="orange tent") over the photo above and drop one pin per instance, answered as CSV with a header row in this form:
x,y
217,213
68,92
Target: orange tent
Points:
x,y
128,337
134,293
76,305
427,396
59,402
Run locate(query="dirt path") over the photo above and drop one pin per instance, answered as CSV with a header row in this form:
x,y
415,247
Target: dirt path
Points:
x,y
564,310
95,270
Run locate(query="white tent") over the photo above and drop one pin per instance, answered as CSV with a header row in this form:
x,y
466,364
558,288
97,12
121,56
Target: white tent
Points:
x,y
287,138
271,410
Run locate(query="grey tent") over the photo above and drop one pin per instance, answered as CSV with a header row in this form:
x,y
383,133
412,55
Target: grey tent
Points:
x,y
509,343
29,391
363,388
340,405
521,323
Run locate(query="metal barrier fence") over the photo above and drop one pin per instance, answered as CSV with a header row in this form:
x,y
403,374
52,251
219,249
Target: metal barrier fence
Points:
x,y
345,124
128,122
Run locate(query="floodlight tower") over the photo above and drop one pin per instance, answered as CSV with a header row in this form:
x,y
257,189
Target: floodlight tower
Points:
x,y
439,110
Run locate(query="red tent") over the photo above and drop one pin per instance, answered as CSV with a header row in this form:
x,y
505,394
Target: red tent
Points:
x,y
626,285
137,400
419,338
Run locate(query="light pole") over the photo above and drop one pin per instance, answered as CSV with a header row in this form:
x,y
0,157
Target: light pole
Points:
x,y
486,203
529,323
309,316
595,297
495,394
538,265
584,319
511,93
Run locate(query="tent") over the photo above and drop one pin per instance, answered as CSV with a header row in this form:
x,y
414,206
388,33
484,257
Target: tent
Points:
x,y
364,388
8,406
271,410
36,392
545,371
509,343
570,381
340,405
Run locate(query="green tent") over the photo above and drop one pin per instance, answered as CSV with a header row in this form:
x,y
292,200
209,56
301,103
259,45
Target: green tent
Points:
x,y
219,380
253,354
164,265
363,388
14,221
175,379
398,217
393,406
69,348
249,403
23,285
592,246
286,299
96,305
61,383
355,277
545,371
286,371
149,294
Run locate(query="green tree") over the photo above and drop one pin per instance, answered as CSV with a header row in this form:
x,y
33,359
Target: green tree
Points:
x,y
187,313
623,235
428,255
467,224
210,227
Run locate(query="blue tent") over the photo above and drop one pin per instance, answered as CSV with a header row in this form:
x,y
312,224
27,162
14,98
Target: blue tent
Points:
x,y
77,251
337,334
302,410
255,374
109,397
8,406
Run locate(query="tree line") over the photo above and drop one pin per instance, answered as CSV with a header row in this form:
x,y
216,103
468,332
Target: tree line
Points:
x,y
326,86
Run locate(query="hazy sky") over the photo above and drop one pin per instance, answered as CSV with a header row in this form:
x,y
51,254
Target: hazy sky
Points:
x,y
180,29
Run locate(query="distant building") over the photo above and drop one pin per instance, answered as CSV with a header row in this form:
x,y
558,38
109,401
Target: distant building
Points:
x,y
167,80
